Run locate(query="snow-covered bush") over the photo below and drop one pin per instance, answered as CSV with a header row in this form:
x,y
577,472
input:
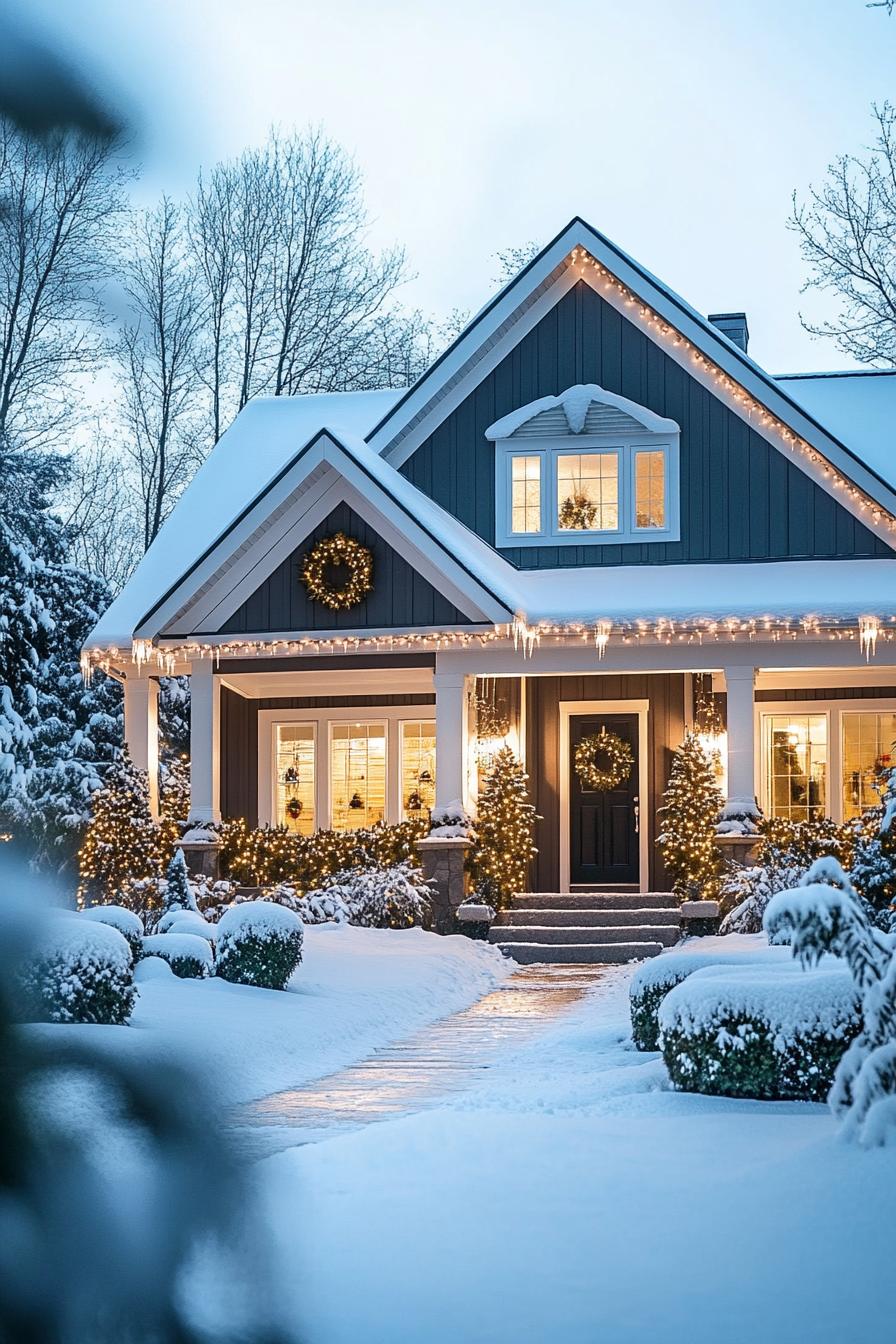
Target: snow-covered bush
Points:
x,y
653,979
189,955
824,915
758,1031
746,892
259,943
873,871
129,925
377,898
739,816
188,921
325,906
451,821
81,972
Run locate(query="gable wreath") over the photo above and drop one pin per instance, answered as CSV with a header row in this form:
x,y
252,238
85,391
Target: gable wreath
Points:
x,y
338,552
612,749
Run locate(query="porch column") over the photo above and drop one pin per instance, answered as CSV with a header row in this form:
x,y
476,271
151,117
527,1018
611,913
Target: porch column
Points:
x,y
452,735
141,730
739,683
205,737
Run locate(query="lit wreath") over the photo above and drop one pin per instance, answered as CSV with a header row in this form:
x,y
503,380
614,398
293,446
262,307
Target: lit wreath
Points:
x,y
618,753
338,551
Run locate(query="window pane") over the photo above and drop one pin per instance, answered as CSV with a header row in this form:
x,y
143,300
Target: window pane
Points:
x,y
295,777
796,757
525,494
588,492
867,756
357,774
418,769
650,488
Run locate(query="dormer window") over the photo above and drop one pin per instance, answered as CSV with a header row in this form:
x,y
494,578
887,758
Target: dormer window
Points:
x,y
587,466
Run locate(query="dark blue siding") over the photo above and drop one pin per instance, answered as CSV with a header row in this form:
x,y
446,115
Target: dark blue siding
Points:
x,y
741,499
400,596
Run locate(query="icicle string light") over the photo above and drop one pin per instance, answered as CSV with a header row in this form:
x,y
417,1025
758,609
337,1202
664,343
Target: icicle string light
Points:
x,y
869,632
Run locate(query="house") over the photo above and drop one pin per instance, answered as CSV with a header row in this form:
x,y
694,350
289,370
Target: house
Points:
x,y
591,510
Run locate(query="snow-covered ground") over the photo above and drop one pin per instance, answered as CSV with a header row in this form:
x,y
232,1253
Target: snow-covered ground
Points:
x,y
574,1197
356,990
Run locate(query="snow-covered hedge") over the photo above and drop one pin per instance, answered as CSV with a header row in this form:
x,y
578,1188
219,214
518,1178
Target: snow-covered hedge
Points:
x,y
451,822
653,979
129,925
82,971
397,897
188,921
739,816
770,1032
259,943
188,954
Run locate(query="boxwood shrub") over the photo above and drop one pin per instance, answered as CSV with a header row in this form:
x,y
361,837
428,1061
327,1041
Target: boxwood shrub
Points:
x,y
128,924
772,1032
259,943
189,955
80,971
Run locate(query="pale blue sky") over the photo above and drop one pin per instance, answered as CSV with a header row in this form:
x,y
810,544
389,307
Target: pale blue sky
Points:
x,y
678,127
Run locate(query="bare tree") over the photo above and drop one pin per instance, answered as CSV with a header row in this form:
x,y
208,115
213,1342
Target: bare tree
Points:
x,y
214,238
511,261
62,197
158,374
847,233
97,508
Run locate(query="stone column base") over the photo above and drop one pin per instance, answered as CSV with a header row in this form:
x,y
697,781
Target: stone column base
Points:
x,y
203,857
444,865
740,849
699,919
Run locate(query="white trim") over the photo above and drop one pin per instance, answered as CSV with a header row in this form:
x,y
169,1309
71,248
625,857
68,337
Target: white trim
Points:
x,y
571,709
833,712
265,684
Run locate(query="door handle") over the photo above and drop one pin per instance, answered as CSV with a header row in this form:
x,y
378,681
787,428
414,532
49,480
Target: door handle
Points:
x,y
636,802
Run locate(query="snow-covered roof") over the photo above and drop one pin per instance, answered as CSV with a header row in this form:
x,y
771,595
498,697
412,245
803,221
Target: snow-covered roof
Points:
x,y
859,408
578,405
263,439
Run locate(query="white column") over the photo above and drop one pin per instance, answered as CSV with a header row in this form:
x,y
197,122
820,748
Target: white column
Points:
x,y
452,736
141,730
739,683
205,742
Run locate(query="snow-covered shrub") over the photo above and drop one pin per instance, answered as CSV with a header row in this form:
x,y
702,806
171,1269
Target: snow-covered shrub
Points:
x,y
129,925
378,898
259,943
826,914
189,955
746,892
81,972
188,921
739,816
325,906
451,821
759,1031
653,979
873,871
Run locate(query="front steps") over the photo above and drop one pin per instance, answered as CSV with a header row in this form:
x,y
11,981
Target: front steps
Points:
x,y
593,928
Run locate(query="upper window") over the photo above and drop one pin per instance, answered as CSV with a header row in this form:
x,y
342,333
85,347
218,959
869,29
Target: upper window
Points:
x,y
585,467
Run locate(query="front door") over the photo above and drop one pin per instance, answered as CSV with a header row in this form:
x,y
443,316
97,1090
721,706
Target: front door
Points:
x,y
603,820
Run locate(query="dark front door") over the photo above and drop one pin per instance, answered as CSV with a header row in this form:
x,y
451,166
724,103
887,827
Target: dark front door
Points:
x,y
603,822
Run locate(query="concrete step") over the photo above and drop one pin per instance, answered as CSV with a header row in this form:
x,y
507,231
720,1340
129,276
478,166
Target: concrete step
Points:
x,y
632,933
592,900
590,954
584,918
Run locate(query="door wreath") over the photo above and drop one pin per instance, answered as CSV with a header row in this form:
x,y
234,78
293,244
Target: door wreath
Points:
x,y
338,552
617,753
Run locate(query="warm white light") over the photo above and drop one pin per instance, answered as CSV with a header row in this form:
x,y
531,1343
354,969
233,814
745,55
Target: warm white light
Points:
x,y
869,629
602,636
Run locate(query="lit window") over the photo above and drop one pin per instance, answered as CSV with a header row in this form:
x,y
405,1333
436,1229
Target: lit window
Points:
x,y
418,769
868,756
588,492
650,488
796,758
295,777
357,774
525,494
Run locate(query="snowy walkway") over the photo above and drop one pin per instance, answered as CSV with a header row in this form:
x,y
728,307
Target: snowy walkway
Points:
x,y
436,1063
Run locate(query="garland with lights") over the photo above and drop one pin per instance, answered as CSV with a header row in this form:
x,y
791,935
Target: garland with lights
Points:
x,y
338,552
612,748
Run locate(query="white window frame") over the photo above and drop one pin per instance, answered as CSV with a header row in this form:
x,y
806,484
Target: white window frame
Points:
x,y
833,711
548,450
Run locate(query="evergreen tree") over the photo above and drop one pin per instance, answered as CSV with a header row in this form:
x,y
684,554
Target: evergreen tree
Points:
x,y
688,817
174,718
178,893
873,870
174,802
122,839
505,832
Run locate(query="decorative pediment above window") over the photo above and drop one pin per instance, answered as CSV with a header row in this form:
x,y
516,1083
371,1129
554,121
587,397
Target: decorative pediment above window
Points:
x,y
587,466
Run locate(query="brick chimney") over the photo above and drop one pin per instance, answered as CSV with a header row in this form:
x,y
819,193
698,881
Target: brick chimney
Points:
x,y
734,326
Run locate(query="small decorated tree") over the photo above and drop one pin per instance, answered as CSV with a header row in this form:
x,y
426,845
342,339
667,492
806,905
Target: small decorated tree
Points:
x,y
505,832
178,894
122,839
688,818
